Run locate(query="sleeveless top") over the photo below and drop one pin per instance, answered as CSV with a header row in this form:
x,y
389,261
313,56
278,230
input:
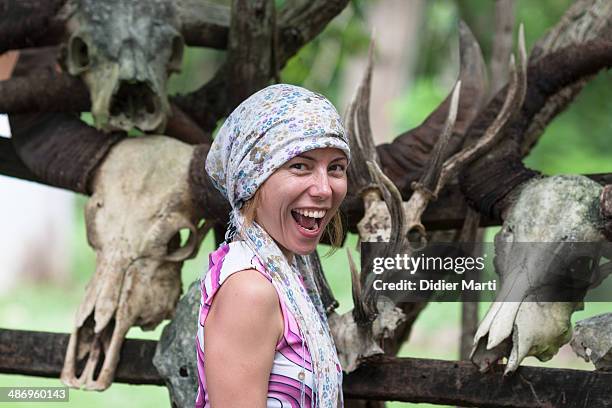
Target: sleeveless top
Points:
x,y
284,385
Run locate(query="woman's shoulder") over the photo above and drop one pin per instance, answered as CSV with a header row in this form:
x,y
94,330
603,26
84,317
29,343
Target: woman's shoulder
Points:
x,y
231,258
250,289
248,301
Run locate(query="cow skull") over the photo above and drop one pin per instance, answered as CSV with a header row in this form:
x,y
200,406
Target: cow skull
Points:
x,y
141,202
533,250
125,50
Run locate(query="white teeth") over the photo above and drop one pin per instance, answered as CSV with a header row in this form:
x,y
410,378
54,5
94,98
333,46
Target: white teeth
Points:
x,y
312,214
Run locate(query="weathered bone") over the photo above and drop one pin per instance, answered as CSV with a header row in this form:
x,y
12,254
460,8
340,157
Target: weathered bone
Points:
x,y
359,333
592,341
548,211
430,183
384,220
405,151
496,181
139,256
376,222
373,185
325,292
360,132
125,51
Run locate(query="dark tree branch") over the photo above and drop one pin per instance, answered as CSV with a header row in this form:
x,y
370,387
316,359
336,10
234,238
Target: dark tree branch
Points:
x,y
468,238
210,103
30,23
583,22
35,23
502,44
249,65
42,354
180,126
297,27
46,90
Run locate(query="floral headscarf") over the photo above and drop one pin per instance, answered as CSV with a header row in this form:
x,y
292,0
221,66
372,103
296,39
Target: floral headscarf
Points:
x,y
269,128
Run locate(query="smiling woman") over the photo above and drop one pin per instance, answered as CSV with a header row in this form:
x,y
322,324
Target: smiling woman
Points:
x,y
280,159
300,199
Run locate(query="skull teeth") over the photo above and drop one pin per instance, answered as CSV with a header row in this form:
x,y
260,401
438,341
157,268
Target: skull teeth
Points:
x,y
311,213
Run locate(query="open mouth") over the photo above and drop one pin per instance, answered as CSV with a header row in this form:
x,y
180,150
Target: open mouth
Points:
x,y
309,221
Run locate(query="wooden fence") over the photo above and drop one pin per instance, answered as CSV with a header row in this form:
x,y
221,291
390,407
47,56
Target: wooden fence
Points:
x,y
42,354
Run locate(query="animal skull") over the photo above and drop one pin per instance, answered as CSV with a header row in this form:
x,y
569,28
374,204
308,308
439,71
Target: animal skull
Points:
x,y
553,212
140,203
125,50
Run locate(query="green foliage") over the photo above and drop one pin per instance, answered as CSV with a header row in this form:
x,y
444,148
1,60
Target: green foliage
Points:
x,y
578,140
319,64
412,108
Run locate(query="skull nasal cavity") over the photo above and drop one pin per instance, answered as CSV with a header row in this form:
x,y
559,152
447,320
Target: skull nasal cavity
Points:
x,y
132,98
79,53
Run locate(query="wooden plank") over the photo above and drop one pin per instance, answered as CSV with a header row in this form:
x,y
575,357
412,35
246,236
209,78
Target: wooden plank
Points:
x,y
41,354
460,383
384,378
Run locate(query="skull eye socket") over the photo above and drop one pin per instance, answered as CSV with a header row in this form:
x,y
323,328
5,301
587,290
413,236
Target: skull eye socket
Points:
x,y
176,55
79,54
181,246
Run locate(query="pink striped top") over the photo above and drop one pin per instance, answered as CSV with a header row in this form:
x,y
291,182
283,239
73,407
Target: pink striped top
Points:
x,y
284,384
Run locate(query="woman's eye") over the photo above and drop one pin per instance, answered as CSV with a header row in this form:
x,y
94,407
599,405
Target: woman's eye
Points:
x,y
337,168
298,166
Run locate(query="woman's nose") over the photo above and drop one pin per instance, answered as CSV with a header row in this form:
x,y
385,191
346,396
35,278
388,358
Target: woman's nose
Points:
x,y
320,187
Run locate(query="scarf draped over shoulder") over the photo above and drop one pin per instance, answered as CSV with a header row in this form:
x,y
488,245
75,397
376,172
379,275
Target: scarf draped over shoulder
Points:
x,y
265,131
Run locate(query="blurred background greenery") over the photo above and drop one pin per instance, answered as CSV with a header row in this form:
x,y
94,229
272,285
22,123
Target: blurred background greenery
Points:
x,y
578,141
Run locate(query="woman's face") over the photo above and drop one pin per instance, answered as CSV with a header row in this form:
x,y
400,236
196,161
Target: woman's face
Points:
x,y
300,198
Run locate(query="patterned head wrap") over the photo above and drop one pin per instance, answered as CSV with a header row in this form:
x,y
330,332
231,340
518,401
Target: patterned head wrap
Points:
x,y
269,128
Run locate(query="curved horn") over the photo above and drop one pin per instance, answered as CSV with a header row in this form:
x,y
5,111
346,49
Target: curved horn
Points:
x,y
404,159
59,149
490,179
357,120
